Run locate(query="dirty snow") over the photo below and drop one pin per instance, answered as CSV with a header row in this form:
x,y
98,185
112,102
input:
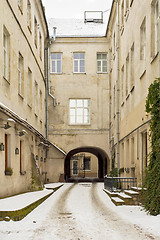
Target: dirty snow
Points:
x,y
79,211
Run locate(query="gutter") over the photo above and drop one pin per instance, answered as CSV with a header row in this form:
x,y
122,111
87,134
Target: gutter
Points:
x,y
118,89
47,76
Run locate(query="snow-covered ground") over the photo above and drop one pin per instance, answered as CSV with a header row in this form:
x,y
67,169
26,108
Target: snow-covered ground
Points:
x,y
78,211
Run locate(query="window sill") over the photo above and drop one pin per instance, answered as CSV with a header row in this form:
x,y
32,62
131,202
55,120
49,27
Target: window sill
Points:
x,y
143,74
6,80
29,28
20,96
154,57
122,30
102,72
122,104
127,96
79,72
132,89
55,73
29,106
20,9
126,14
131,3
80,124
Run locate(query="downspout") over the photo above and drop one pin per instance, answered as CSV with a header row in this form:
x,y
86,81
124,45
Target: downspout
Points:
x,y
118,90
47,75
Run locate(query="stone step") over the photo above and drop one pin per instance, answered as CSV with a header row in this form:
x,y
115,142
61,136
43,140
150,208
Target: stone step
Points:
x,y
135,196
126,198
137,189
117,201
110,194
131,193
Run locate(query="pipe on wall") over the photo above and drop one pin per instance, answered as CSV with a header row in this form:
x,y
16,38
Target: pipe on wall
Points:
x,y
118,89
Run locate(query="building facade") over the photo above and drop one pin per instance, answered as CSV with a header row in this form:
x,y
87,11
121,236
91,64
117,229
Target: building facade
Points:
x,y
23,31
134,64
80,83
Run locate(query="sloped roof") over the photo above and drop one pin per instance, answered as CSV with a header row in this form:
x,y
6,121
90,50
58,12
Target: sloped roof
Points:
x,y
77,28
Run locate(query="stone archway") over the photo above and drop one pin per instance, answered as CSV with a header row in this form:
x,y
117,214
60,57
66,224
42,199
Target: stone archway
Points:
x,y
98,152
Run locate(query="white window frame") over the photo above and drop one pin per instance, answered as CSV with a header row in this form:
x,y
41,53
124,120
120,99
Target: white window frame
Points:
x,y
5,54
55,61
20,74
78,60
29,14
20,5
143,40
29,88
102,62
85,112
156,21
35,31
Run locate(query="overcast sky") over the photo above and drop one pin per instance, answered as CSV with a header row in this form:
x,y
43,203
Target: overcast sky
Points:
x,y
73,8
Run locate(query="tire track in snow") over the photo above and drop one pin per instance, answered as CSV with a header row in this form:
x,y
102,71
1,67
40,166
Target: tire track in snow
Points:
x,y
115,223
60,224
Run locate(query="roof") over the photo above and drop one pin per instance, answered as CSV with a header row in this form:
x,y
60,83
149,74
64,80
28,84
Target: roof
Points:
x,y
77,28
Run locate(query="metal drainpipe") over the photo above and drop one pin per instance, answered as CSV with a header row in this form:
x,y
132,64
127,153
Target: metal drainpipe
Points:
x,y
118,113
47,72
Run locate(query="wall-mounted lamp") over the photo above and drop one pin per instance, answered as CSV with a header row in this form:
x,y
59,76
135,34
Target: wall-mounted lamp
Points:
x,y
22,132
1,147
5,126
17,151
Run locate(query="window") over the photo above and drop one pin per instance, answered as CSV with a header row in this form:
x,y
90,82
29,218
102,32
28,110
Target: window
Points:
x,y
35,32
7,151
29,88
56,62
20,5
132,66
79,111
154,27
40,46
21,162
87,163
20,75
6,54
41,103
29,14
122,84
101,62
127,74
114,100
79,62
143,40
122,14
127,5
114,44
75,167
36,98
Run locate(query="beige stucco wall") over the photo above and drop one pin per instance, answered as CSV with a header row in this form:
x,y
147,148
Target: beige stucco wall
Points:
x,y
133,118
90,85
21,39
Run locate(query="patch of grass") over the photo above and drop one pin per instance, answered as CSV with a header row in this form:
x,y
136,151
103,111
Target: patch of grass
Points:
x,y
18,215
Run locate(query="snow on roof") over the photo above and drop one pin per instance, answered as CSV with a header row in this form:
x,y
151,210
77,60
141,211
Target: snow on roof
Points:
x,y
77,28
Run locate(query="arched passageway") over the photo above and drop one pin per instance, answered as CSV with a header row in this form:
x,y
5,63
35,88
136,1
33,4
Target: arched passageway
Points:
x,y
98,152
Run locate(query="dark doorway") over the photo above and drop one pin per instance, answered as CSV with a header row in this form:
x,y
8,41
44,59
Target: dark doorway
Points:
x,y
98,152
